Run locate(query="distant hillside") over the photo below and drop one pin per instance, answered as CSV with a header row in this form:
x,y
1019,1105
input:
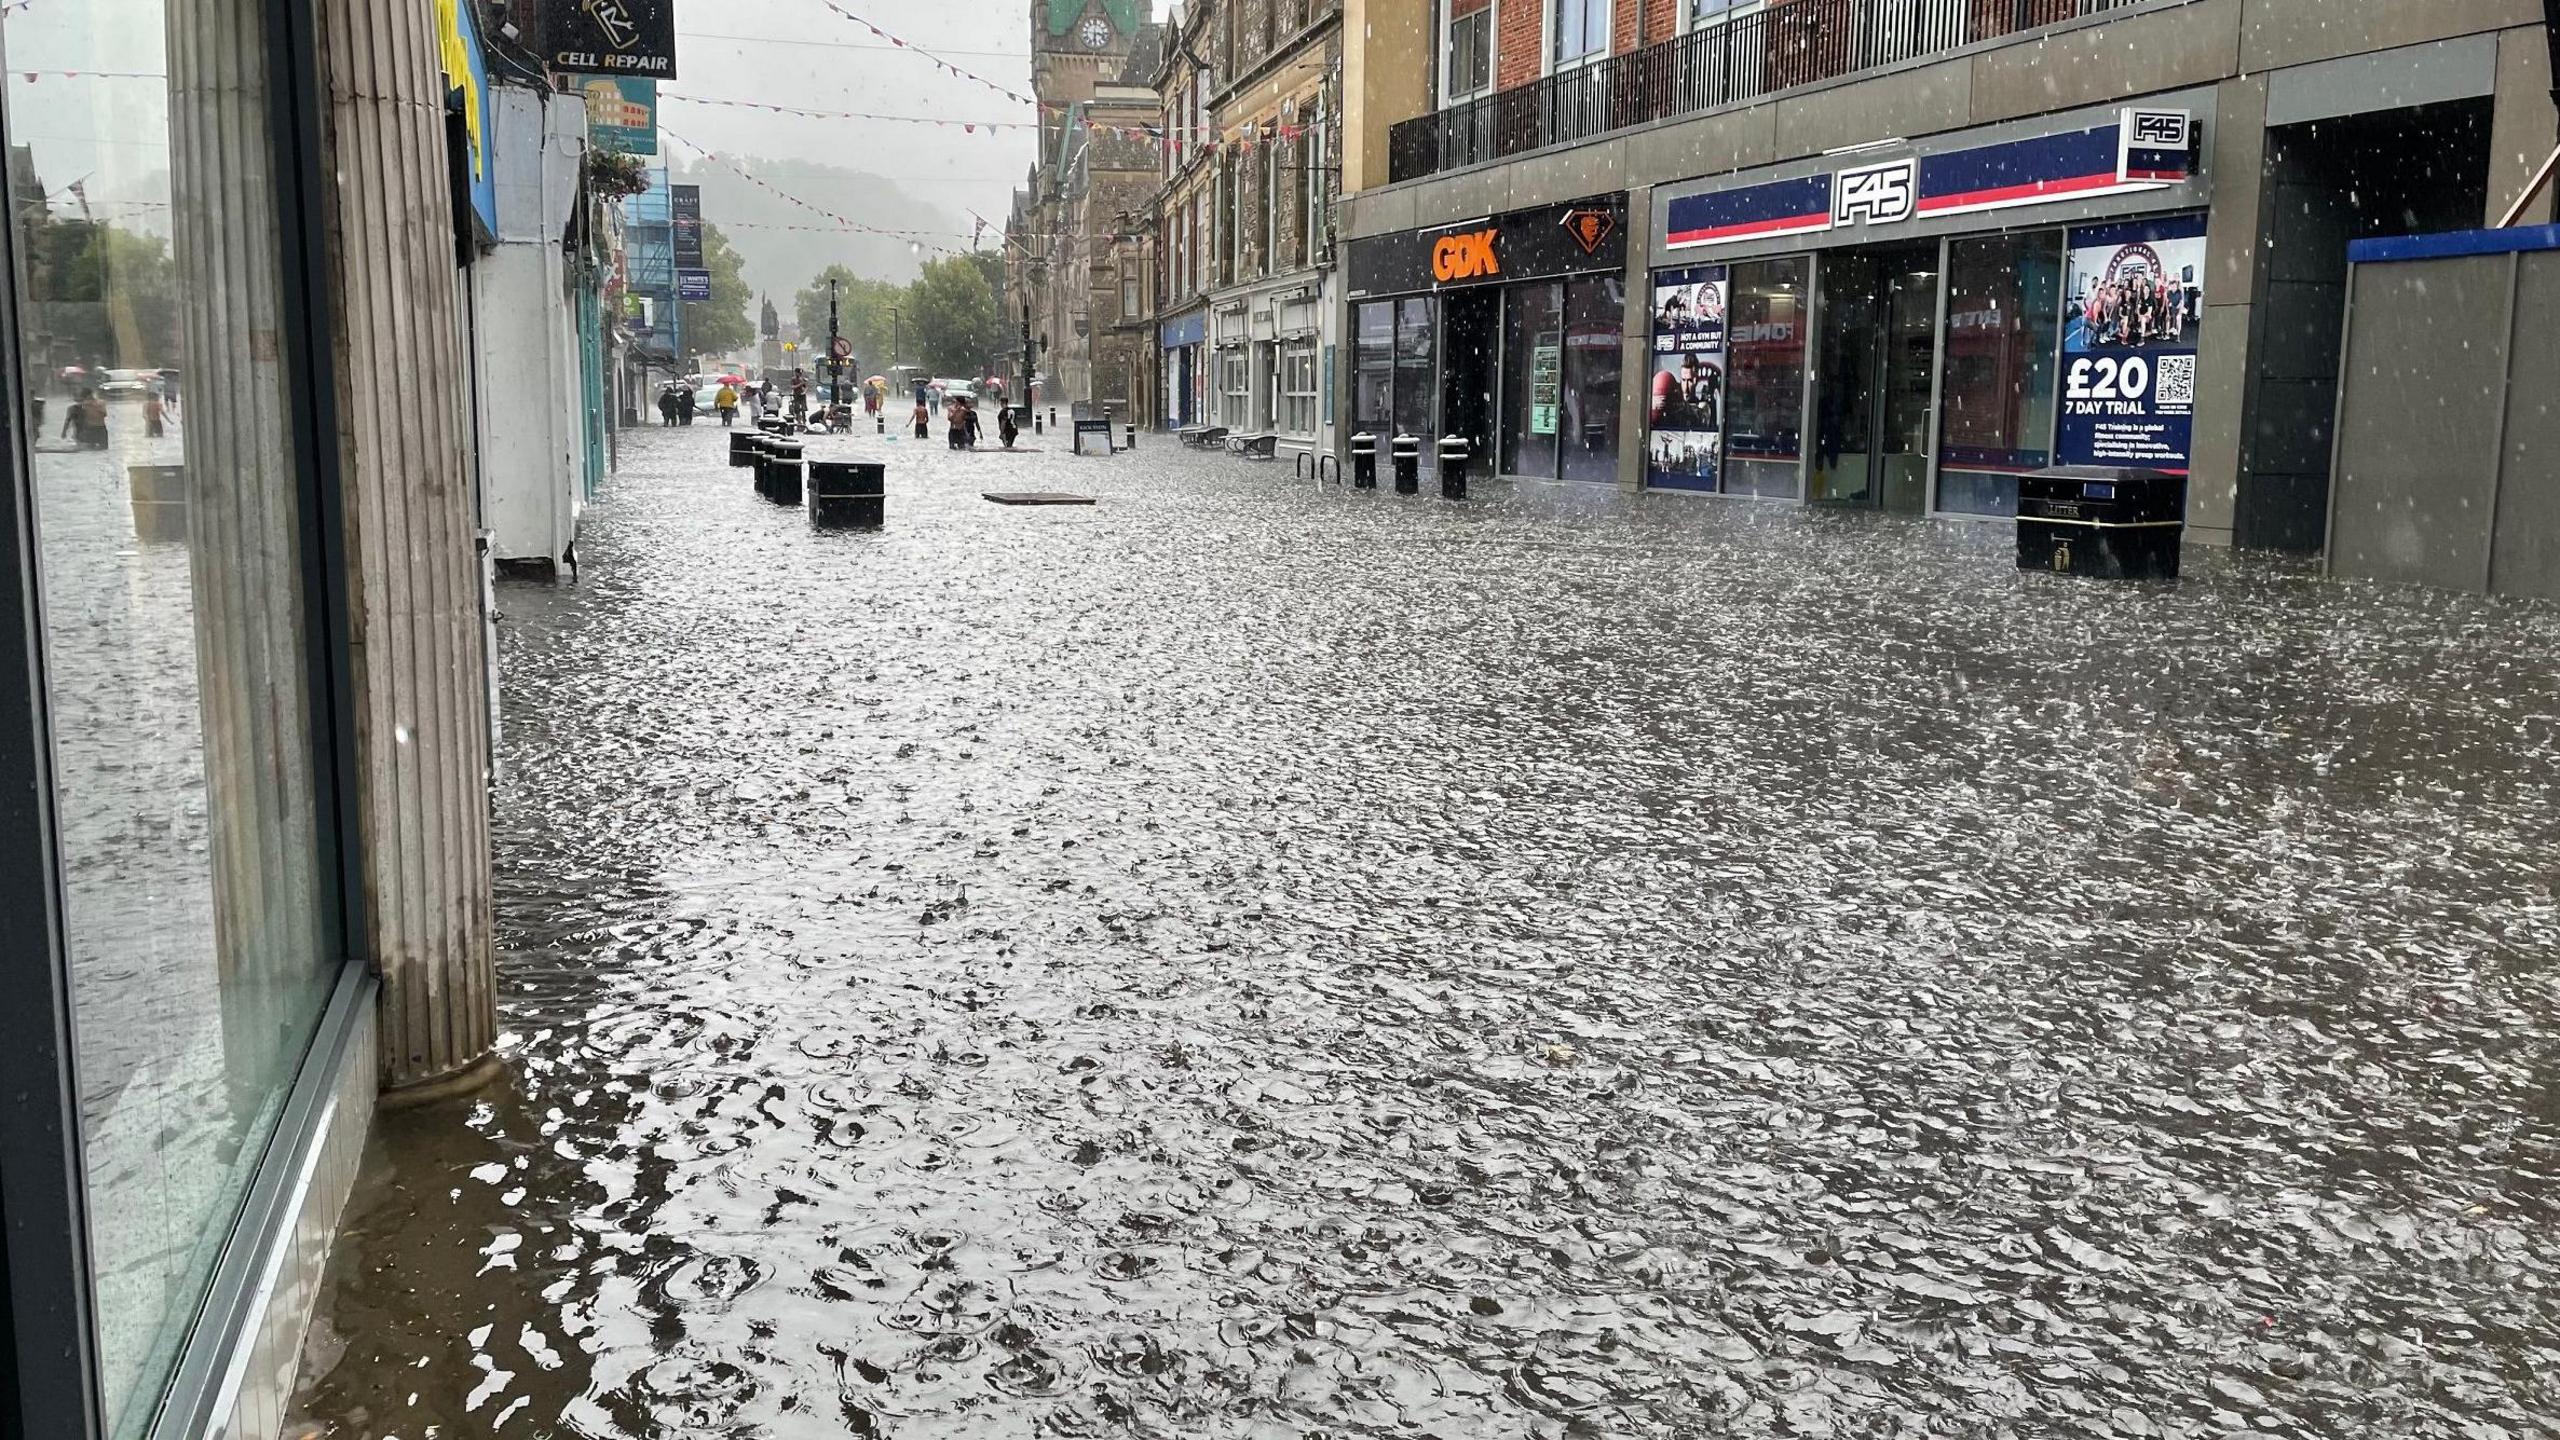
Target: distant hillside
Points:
x,y
779,261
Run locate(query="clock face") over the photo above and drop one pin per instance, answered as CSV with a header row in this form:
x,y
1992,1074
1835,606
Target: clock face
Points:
x,y
1096,33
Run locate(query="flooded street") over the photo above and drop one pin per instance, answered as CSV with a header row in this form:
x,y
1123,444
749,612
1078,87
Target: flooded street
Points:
x,y
1251,960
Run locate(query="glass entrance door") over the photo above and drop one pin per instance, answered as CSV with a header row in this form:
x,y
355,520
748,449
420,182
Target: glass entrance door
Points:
x,y
1879,361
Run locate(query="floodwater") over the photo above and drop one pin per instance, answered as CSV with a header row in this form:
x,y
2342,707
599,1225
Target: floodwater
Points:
x,y
1252,960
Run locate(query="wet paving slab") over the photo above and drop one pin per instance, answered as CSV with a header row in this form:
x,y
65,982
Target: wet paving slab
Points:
x,y
1256,959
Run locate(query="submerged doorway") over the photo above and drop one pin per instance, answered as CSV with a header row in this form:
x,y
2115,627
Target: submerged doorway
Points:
x,y
1879,363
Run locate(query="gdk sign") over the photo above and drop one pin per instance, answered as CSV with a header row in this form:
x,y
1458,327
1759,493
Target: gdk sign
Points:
x,y
1467,255
1876,194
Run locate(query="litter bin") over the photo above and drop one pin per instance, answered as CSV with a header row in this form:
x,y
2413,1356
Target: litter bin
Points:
x,y
159,503
848,494
1406,451
1364,461
1454,453
2091,520
780,481
743,445
779,451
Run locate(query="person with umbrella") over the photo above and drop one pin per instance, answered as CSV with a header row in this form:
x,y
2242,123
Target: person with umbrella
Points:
x,y
726,401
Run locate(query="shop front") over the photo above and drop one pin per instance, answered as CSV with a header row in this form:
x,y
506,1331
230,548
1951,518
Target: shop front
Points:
x,y
1506,331
1913,327
1183,340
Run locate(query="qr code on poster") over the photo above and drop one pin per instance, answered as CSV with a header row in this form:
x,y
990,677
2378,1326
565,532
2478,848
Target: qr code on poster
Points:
x,y
2177,380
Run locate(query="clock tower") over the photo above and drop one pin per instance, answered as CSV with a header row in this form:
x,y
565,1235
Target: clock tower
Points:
x,y
1077,46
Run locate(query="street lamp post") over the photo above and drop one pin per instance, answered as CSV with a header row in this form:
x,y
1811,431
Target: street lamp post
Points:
x,y
835,354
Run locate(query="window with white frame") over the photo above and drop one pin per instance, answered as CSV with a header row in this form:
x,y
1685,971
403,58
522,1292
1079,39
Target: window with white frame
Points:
x,y
1129,297
1233,397
1705,14
1467,60
1579,32
1298,387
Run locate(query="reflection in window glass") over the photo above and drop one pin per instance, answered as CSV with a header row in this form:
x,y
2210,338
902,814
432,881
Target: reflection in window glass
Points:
x,y
2003,295
1764,405
147,226
1373,360
1416,369
1582,29
1595,358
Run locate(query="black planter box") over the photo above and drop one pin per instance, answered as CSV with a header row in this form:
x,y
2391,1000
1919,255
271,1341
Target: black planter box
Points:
x,y
848,494
2108,524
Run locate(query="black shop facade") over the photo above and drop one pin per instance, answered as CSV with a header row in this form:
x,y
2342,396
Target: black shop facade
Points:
x,y
1506,331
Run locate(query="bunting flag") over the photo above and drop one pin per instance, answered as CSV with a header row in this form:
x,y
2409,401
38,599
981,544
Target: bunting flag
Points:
x,y
912,237
971,127
939,63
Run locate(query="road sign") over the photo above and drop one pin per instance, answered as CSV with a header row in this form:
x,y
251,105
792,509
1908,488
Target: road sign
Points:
x,y
842,349
693,286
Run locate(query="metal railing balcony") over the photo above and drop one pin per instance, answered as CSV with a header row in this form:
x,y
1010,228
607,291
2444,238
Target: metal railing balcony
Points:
x,y
1723,62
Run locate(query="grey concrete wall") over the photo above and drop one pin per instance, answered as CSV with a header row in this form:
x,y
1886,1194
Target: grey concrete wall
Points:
x,y
2526,130
2222,358
2525,547
2418,449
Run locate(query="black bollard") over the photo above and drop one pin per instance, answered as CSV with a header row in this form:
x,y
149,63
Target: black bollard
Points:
x,y
781,482
1407,453
879,424
848,494
1454,453
1053,417
1133,437
742,448
1364,461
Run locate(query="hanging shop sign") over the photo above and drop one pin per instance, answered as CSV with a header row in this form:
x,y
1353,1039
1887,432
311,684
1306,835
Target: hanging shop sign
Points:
x,y
466,76
693,286
622,116
2133,306
686,206
1584,237
1684,414
611,37
2138,151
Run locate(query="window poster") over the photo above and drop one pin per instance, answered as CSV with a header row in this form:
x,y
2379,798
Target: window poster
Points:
x,y
2133,302
1546,383
1684,418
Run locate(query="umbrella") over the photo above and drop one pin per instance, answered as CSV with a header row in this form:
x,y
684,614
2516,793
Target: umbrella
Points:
x,y
732,380
875,380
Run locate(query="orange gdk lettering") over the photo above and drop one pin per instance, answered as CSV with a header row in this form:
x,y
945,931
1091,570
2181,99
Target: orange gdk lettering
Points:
x,y
1465,256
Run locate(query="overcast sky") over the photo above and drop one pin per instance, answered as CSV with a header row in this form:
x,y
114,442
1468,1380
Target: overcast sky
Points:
x,y
798,52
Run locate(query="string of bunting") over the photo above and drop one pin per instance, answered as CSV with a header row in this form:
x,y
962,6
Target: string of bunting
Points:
x,y
911,236
971,127
944,65
31,76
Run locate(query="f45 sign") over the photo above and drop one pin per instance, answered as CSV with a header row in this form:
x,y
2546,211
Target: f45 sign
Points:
x,y
1876,194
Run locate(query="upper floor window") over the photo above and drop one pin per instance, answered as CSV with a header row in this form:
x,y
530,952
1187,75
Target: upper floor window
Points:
x,y
1469,55
1581,30
1704,13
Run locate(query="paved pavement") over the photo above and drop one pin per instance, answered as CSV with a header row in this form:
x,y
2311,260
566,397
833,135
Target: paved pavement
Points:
x,y
1248,959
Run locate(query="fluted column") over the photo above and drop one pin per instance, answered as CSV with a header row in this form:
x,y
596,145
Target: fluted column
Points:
x,y
419,657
